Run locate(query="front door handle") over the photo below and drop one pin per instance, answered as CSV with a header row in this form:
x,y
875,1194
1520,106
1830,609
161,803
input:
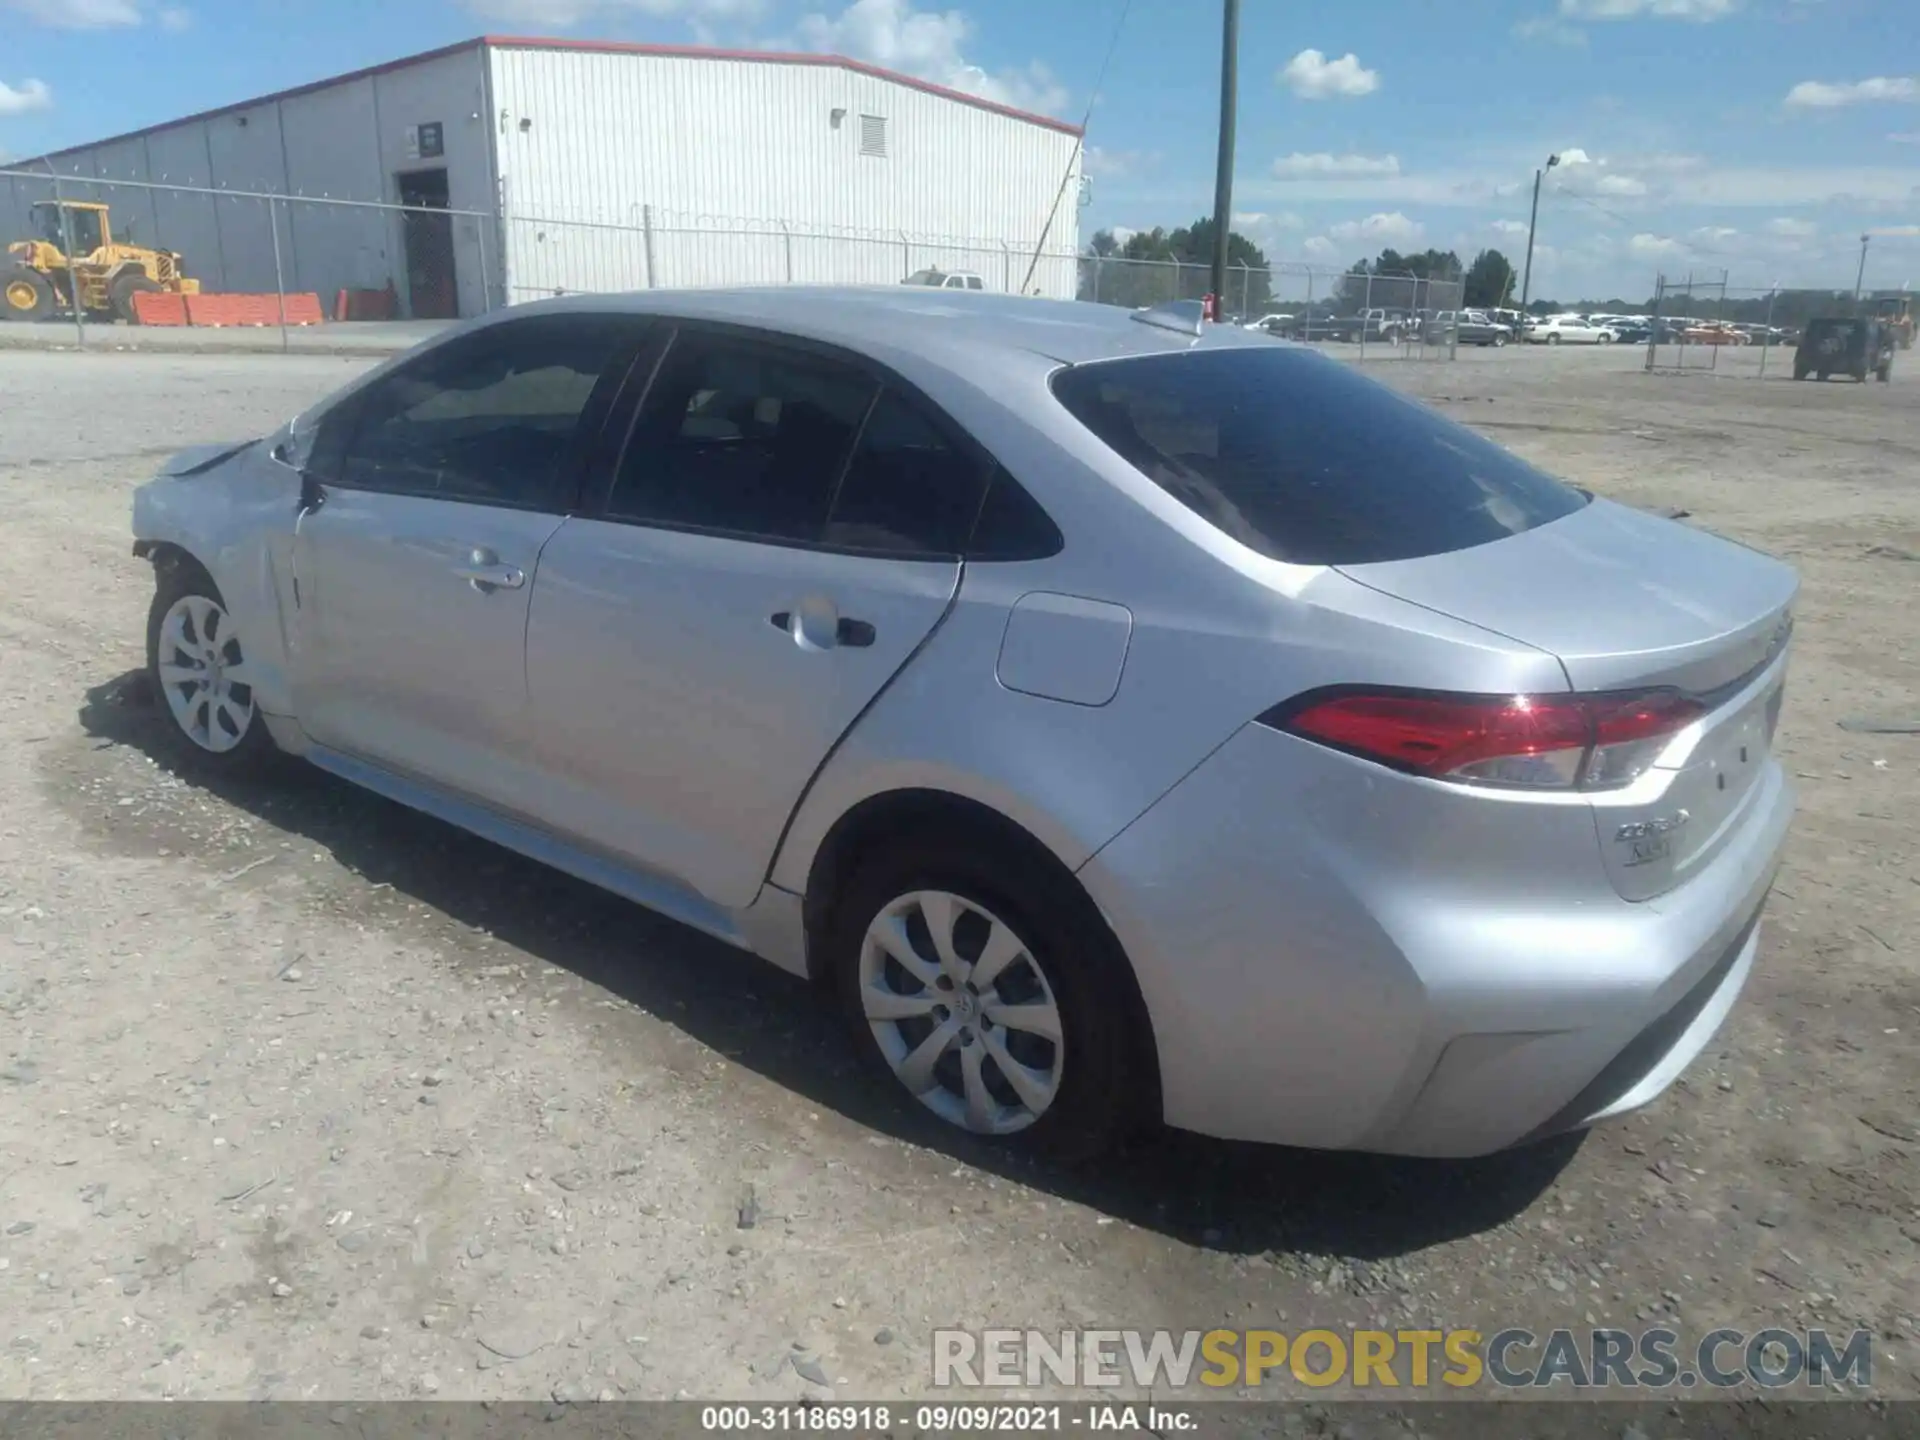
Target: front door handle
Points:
x,y
486,574
856,634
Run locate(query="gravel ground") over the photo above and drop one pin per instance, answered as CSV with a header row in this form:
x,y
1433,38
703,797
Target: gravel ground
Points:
x,y
303,1096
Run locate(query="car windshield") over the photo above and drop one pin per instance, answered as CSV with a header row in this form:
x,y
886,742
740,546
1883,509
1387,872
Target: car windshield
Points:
x,y
1298,457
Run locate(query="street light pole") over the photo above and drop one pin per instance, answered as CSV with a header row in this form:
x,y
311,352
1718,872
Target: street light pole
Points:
x,y
1223,174
1860,276
1526,282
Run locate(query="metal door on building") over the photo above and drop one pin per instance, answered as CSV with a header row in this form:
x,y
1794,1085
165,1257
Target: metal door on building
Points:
x,y
433,292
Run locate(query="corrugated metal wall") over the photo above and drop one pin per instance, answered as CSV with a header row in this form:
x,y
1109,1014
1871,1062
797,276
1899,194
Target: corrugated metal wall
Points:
x,y
623,170
344,141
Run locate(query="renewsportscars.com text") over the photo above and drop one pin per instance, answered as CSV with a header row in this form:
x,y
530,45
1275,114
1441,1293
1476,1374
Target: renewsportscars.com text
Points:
x,y
1598,1358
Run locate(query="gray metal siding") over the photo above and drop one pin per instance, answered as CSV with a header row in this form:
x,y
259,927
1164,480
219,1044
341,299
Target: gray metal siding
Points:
x,y
345,141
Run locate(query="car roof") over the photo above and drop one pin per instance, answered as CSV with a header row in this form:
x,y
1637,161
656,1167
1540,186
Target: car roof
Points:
x,y
961,328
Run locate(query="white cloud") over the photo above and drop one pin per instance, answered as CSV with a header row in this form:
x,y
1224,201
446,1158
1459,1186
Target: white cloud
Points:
x,y
1122,233
1792,229
565,14
1117,164
1312,76
77,14
1619,185
1896,232
1819,95
1697,10
1715,234
1655,246
1908,138
1390,228
1511,229
31,95
928,44
1575,156
1320,248
1550,30
174,18
1325,166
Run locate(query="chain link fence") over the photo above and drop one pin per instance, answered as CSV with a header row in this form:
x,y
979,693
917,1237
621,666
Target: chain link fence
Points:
x,y
1392,315
157,254
1708,326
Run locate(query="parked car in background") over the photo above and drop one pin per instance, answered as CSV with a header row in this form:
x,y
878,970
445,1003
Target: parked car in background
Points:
x,y
1127,718
1278,323
1465,327
946,279
1631,330
1845,346
1713,332
1568,330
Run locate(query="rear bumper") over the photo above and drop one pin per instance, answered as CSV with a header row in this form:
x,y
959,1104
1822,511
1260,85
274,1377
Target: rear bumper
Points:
x,y
1333,960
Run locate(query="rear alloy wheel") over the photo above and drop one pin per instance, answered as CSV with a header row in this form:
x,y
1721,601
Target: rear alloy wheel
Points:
x,y
124,287
1606,338
25,295
961,1012
997,1004
199,670
1553,339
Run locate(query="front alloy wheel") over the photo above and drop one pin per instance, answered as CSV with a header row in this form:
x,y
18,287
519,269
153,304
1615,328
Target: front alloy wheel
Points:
x,y
203,674
961,1012
197,667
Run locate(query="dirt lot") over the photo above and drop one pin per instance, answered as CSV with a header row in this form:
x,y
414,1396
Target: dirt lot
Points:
x,y
305,1096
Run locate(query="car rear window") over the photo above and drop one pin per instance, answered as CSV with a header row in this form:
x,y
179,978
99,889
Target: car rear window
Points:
x,y
1304,460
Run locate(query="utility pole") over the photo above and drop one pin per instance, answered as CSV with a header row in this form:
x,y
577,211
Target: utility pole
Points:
x,y
1223,175
1526,282
1861,275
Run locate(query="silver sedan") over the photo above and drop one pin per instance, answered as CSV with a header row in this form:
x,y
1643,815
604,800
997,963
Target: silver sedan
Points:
x,y
1131,719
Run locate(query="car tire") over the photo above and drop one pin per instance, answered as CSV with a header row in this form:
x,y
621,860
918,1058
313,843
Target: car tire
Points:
x,y
25,294
211,724
1884,374
1605,338
1499,342
1799,374
1079,1093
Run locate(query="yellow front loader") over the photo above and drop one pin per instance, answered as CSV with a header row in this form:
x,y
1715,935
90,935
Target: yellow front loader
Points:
x,y
40,280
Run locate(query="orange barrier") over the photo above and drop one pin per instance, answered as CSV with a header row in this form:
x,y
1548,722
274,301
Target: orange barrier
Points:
x,y
366,304
253,310
159,308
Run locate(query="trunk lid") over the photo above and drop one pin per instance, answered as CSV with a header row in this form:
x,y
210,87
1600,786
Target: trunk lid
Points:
x,y
1628,601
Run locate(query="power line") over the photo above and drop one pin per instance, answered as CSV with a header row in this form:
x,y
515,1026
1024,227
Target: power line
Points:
x,y
1079,145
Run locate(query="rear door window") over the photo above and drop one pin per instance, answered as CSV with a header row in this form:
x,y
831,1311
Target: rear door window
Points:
x,y
1303,460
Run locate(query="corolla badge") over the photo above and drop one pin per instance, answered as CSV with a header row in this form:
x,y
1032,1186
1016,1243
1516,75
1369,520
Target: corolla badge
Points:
x,y
1648,841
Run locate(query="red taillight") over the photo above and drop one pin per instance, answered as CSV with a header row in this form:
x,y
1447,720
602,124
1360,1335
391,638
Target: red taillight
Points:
x,y
1531,741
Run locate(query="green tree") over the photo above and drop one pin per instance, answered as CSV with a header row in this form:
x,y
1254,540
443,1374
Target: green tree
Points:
x,y
1489,280
1181,268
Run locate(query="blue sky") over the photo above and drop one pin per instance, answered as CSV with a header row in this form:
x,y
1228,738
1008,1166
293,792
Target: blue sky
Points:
x,y
1760,136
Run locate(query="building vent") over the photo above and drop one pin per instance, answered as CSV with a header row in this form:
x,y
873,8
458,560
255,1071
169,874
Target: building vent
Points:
x,y
873,135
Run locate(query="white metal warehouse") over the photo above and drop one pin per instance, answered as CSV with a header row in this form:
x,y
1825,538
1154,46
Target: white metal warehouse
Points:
x,y
566,166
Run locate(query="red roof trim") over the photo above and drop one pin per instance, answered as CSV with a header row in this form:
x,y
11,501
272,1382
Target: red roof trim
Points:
x,y
777,57
605,47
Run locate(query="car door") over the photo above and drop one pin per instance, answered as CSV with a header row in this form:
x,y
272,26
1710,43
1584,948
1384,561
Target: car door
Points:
x,y
429,497
779,535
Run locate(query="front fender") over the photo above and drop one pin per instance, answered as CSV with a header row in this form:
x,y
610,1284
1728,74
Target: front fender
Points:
x,y
233,511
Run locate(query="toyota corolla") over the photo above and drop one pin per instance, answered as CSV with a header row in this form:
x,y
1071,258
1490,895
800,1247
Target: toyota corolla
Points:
x,y
1130,719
